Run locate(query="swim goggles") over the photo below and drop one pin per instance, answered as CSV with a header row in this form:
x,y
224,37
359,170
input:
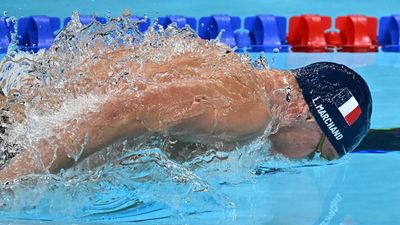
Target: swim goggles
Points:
x,y
319,147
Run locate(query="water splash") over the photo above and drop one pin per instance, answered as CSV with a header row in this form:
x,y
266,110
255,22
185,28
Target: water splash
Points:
x,y
261,62
143,185
273,60
12,48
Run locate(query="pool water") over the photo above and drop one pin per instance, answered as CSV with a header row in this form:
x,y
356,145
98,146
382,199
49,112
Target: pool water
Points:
x,y
359,189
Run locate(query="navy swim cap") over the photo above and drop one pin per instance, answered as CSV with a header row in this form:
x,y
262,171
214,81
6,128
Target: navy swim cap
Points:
x,y
340,101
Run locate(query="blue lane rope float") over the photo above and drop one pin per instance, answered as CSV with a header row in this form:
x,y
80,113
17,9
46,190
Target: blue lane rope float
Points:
x,y
5,34
210,27
85,20
144,23
267,33
37,32
180,21
389,33
243,41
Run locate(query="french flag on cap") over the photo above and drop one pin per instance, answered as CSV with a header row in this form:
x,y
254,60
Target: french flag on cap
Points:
x,y
348,106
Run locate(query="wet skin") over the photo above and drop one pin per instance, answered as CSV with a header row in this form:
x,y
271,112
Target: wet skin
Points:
x,y
190,98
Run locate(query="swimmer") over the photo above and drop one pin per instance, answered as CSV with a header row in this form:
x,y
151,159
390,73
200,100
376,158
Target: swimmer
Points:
x,y
218,101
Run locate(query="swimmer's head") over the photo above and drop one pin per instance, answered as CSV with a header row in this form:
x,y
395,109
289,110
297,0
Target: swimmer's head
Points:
x,y
340,101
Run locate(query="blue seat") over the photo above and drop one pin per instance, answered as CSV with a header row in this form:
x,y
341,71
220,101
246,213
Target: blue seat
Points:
x,y
180,21
389,33
210,27
143,26
5,30
85,20
37,32
267,32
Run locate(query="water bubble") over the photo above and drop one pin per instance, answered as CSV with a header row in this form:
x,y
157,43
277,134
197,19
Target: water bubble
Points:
x,y
108,15
261,62
219,36
13,46
126,13
146,17
245,57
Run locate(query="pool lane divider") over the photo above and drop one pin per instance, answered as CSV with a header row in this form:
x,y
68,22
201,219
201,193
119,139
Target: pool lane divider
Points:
x,y
265,32
380,141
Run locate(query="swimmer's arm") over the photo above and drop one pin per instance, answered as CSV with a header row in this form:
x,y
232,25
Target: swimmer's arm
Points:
x,y
189,111
114,120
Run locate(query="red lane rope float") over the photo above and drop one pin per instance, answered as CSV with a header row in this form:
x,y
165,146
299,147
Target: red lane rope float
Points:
x,y
358,33
307,33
